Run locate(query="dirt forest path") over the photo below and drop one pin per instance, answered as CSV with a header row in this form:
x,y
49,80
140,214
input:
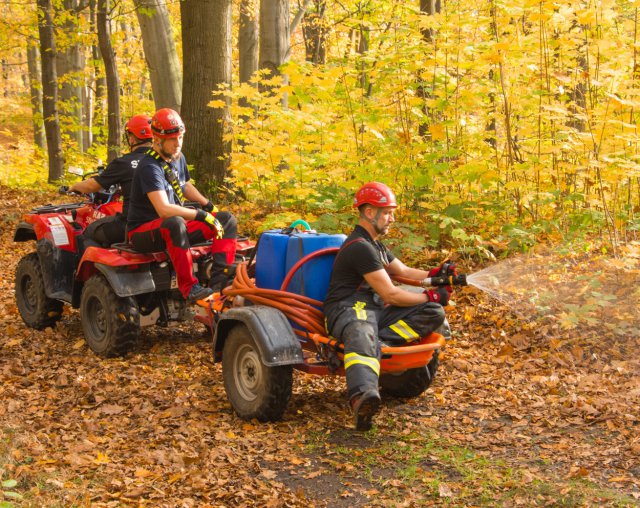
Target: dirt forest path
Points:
x,y
519,415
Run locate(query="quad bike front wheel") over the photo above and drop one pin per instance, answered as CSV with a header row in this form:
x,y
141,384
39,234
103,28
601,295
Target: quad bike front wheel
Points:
x,y
411,382
254,389
111,324
36,309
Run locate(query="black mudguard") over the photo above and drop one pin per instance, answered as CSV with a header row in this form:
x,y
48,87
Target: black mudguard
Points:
x,y
269,328
126,282
58,267
24,232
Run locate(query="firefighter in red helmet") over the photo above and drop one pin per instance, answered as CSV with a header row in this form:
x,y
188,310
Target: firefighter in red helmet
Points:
x,y
108,230
158,219
364,307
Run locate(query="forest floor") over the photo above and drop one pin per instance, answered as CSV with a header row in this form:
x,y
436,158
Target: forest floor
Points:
x,y
522,413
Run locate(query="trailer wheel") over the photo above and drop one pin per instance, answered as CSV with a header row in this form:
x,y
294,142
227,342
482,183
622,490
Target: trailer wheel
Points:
x,y
412,382
111,324
254,389
36,309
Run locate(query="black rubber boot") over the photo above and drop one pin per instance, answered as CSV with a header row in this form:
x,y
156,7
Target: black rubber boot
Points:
x,y
365,406
222,277
198,293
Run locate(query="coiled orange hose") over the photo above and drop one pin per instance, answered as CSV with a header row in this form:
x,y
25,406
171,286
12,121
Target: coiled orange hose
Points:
x,y
302,310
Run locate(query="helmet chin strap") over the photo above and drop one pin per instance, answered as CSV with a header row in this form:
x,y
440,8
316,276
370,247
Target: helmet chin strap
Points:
x,y
374,222
141,142
136,143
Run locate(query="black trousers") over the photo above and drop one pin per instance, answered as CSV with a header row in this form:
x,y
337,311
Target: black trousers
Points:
x,y
361,326
107,230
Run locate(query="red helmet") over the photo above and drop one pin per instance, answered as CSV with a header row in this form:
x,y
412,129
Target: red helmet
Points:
x,y
375,194
166,123
139,126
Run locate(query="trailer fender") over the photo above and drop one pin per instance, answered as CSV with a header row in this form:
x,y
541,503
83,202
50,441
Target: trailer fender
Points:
x,y
270,329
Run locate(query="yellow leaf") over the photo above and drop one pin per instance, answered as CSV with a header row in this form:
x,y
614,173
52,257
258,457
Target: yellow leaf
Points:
x,y
437,131
78,344
586,16
620,479
494,57
277,151
142,473
507,350
102,458
175,477
217,104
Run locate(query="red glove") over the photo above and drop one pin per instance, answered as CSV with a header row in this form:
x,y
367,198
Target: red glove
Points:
x,y
446,269
439,295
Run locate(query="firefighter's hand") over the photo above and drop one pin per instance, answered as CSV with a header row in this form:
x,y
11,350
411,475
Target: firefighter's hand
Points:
x,y
64,189
210,207
439,295
210,221
446,269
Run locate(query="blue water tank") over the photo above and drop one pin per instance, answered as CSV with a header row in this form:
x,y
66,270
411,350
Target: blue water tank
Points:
x,y
312,278
271,258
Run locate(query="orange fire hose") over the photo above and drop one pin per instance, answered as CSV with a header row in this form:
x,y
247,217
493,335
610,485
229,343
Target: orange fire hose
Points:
x,y
300,309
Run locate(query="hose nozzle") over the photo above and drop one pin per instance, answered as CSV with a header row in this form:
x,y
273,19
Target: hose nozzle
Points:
x,y
451,280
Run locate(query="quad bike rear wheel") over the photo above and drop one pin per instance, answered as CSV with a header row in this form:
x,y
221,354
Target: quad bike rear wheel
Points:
x,y
36,309
254,389
111,324
412,382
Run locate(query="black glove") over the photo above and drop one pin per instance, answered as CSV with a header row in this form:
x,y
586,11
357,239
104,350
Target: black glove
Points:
x,y
64,189
446,269
439,295
209,207
210,221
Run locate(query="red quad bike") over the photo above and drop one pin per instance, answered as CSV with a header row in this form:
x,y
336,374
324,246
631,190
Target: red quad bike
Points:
x,y
270,321
117,289
44,278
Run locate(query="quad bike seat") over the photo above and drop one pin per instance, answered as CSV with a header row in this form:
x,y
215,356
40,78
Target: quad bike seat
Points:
x,y
128,247
125,246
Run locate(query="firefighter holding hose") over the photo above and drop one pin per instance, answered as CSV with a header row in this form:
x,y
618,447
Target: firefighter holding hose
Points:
x,y
364,307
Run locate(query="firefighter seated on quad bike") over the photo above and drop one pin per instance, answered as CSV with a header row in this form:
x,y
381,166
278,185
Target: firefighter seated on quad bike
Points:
x,y
111,229
359,288
157,219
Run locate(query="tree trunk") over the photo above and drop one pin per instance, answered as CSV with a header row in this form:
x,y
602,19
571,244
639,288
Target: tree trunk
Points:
x,y
160,52
428,7
70,68
248,32
5,78
50,90
113,81
35,77
274,34
206,40
100,83
363,48
314,31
